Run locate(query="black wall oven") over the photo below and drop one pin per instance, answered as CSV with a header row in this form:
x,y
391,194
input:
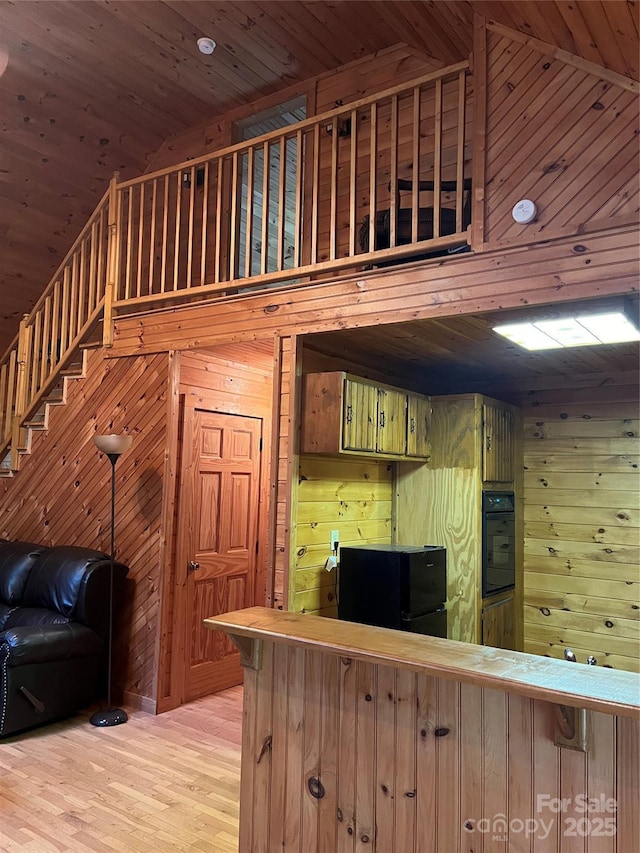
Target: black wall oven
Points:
x,y
498,542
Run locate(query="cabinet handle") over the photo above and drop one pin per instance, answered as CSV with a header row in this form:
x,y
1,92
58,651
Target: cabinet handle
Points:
x,y
412,425
382,419
193,566
489,442
349,414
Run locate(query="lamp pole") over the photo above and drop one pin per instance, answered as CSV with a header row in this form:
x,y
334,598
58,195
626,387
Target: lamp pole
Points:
x,y
113,446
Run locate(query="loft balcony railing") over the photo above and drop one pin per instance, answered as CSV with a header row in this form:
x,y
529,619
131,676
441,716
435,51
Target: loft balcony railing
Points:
x,y
282,210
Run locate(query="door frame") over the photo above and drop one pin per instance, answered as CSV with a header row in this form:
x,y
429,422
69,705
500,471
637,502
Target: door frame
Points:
x,y
170,625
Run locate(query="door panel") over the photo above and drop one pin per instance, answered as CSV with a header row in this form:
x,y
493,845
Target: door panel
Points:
x,y
360,417
218,522
392,421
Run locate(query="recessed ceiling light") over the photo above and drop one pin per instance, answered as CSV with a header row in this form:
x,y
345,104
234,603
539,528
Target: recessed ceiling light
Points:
x,y
206,45
578,331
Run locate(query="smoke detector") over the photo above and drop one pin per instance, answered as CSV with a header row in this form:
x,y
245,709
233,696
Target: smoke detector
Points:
x,y
206,45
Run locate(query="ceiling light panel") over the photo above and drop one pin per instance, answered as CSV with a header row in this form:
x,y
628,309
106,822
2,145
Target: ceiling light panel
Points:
x,y
579,331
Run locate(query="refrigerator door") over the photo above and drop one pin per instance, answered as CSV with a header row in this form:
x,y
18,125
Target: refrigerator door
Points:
x,y
434,624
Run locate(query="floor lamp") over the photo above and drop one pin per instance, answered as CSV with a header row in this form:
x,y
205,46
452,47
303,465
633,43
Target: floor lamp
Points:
x,y
113,446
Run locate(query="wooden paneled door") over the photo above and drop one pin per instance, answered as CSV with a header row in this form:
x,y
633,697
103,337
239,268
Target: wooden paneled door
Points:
x,y
218,524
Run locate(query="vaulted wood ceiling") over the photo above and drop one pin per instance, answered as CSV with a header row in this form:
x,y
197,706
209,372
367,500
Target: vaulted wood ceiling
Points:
x,y
92,86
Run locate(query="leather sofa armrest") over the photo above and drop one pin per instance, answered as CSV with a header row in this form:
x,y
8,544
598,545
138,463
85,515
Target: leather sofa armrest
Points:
x,y
37,644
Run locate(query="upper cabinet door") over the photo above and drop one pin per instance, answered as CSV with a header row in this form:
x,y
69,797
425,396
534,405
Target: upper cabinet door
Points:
x,y
360,416
392,421
418,426
498,444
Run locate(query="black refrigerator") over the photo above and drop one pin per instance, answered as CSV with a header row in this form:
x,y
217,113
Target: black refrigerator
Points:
x,y
394,586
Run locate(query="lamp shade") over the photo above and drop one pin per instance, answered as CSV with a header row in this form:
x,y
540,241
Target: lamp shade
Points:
x,y
115,444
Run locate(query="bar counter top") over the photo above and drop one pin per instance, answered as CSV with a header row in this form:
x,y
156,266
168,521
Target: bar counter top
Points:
x,y
557,681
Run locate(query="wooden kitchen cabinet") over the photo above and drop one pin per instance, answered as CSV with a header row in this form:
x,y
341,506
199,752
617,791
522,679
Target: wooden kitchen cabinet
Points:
x,y
474,448
347,414
498,437
418,426
498,623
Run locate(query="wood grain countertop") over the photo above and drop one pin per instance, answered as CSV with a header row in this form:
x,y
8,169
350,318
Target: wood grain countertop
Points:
x,y
578,685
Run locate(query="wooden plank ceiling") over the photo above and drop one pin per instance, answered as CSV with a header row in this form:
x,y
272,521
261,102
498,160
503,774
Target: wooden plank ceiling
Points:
x,y
90,86
464,354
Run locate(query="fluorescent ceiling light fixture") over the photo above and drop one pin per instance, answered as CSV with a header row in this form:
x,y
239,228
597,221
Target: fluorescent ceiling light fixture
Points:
x,y
581,330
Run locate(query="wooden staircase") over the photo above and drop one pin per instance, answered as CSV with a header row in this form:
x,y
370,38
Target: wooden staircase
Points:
x,y
57,396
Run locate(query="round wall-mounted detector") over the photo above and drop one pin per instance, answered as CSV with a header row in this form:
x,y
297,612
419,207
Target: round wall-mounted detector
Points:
x,y
206,45
524,212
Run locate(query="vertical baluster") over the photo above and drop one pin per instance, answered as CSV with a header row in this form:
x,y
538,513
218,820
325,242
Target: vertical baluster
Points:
x,y
353,187
462,105
205,212
437,158
55,325
281,203
266,165
102,256
416,164
11,392
249,209
45,361
165,235
315,193
393,174
297,230
82,279
218,271
235,223
141,189
93,268
334,189
176,241
64,318
152,233
129,251
74,298
373,174
22,372
192,202
4,411
33,363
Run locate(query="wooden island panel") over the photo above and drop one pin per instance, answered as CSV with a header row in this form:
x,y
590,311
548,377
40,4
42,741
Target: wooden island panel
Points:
x,y
374,740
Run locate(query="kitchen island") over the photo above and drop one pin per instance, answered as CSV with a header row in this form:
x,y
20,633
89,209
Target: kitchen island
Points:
x,y
367,739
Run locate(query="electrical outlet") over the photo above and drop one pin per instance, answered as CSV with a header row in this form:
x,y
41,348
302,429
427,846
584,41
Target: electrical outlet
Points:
x,y
335,537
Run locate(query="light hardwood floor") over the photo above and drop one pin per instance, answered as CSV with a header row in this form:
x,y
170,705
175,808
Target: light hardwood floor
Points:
x,y
164,783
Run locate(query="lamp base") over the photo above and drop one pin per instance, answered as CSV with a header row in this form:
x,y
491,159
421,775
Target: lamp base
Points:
x,y
114,717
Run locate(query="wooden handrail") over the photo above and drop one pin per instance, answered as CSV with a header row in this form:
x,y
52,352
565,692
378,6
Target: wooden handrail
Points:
x,y
599,689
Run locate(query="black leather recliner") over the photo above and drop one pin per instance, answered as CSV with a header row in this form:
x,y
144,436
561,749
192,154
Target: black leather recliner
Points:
x,y
54,622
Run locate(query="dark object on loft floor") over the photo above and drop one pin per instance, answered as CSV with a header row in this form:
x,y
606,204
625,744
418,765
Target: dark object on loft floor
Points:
x,y
425,222
53,627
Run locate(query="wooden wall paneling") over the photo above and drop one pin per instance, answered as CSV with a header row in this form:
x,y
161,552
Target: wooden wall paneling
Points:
x,y
423,520
64,495
595,117
352,496
329,742
287,402
479,165
582,521
365,737
346,781
427,770
386,791
417,763
627,781
312,736
466,285
169,675
235,380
